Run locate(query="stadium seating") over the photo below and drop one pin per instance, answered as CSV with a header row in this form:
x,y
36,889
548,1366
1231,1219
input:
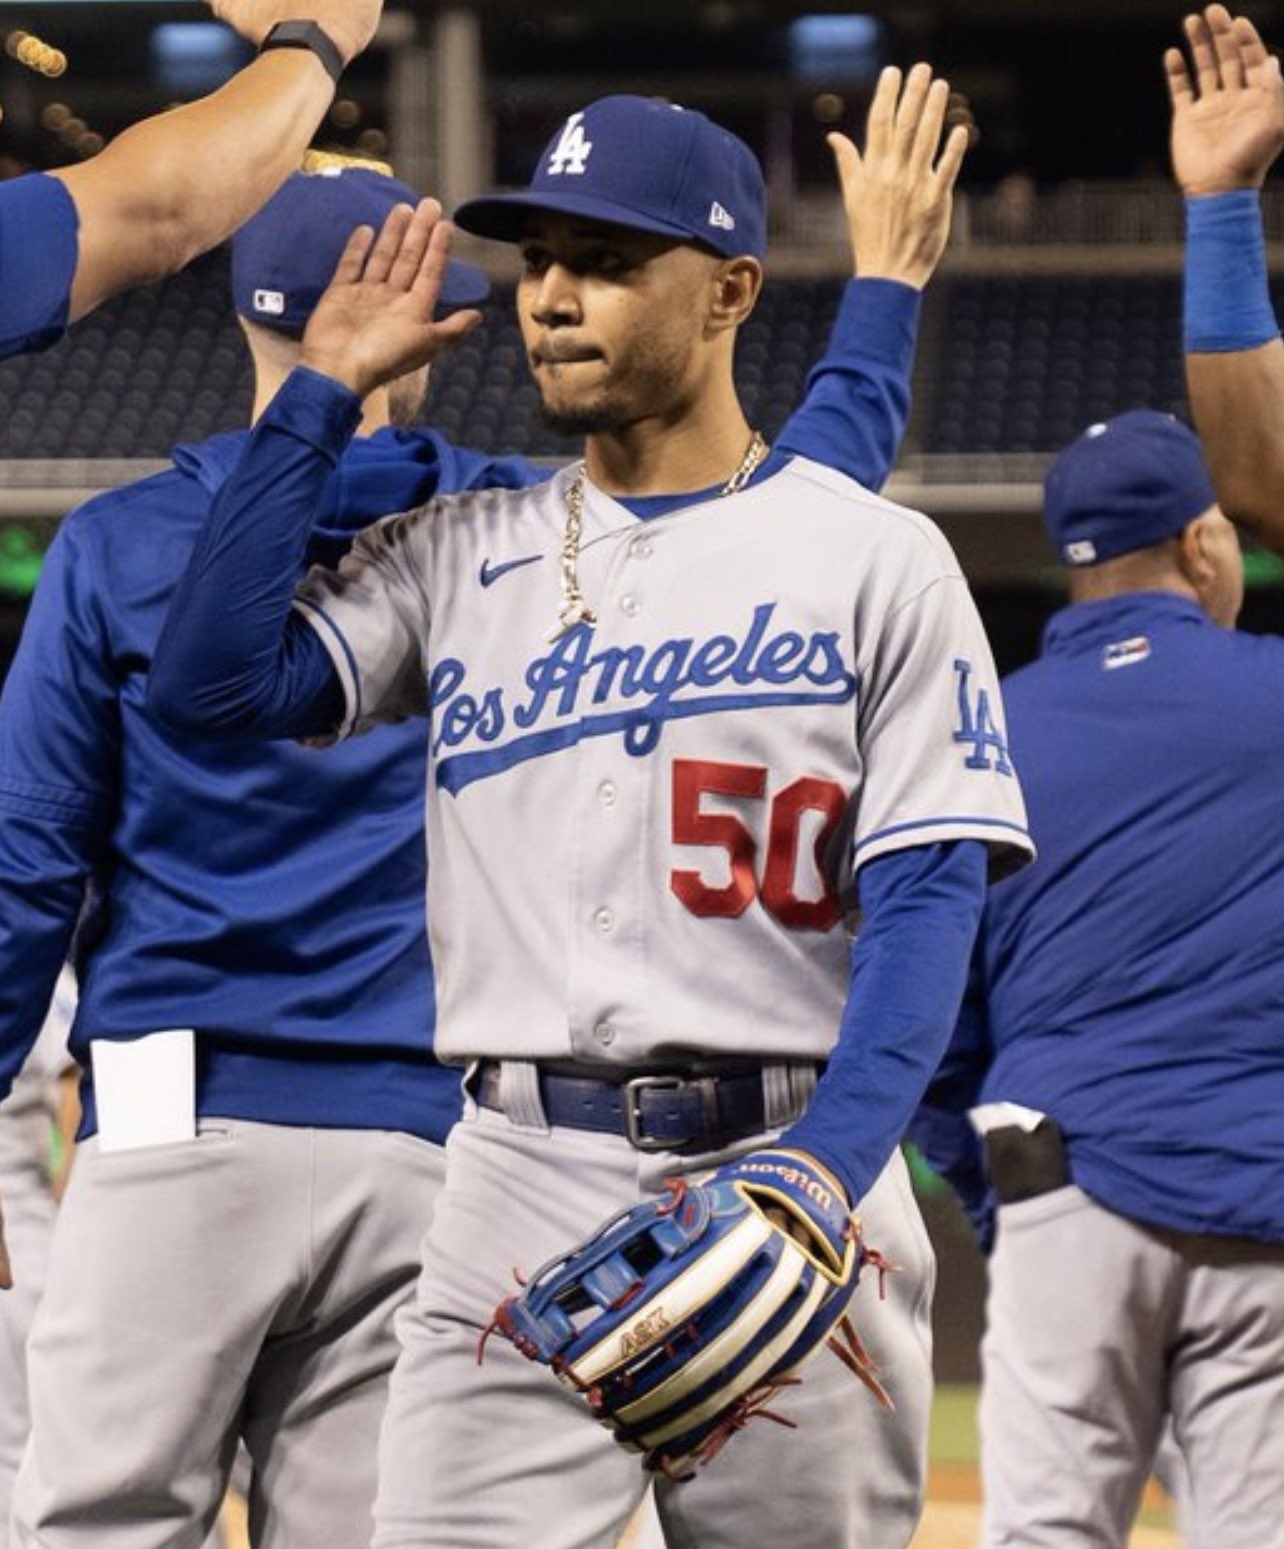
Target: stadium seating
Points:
x,y
1009,364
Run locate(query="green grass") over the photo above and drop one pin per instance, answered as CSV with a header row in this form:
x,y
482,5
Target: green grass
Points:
x,y
953,1436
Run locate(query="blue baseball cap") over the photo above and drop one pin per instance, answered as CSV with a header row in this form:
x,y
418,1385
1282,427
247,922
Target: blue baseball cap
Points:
x,y
285,256
1124,484
645,164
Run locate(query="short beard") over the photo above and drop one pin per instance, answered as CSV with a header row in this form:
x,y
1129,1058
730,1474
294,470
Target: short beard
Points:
x,y
580,422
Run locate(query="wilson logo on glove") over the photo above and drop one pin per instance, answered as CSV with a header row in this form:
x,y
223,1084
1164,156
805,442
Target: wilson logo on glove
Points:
x,y
681,1318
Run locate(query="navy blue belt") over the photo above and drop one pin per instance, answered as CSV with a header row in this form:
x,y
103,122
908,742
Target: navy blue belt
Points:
x,y
653,1111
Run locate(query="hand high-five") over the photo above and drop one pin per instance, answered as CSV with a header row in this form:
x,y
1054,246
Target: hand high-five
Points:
x,y
375,321
898,192
1228,104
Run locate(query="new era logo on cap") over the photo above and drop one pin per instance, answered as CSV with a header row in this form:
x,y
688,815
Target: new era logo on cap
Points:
x,y
721,218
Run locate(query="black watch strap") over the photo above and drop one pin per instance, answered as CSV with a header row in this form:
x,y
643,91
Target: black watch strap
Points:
x,y
307,35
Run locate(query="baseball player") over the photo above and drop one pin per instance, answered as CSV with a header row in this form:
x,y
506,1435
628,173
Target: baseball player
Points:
x,y
691,704
270,903
28,1117
1120,1045
173,185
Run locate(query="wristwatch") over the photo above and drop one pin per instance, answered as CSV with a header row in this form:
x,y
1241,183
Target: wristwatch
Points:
x,y
306,35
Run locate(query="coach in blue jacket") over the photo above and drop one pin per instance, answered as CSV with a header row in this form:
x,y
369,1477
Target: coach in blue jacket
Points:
x,y
1122,1044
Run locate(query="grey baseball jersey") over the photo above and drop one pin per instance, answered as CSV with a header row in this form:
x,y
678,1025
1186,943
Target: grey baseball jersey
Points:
x,y
645,835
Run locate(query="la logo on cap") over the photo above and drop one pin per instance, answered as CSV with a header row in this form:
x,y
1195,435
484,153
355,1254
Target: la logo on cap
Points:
x,y
571,153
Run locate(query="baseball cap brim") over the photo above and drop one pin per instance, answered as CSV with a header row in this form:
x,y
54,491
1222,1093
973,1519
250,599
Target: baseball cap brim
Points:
x,y
503,217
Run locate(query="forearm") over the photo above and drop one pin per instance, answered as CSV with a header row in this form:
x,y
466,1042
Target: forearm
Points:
x,y
1235,361
43,867
858,394
233,658
176,184
909,966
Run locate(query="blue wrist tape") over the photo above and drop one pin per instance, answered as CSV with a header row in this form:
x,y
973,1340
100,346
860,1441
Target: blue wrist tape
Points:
x,y
1228,298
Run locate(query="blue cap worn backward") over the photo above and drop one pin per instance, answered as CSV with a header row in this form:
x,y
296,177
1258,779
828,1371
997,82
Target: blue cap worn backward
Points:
x,y
285,256
1124,484
645,164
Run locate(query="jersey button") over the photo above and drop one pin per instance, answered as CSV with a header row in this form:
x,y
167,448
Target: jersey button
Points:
x,y
630,605
606,793
604,1033
604,919
641,548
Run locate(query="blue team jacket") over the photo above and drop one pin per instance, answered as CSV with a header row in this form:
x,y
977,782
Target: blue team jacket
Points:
x,y
269,896
1131,981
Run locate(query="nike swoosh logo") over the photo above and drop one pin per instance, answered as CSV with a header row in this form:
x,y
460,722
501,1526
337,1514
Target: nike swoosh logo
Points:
x,y
491,572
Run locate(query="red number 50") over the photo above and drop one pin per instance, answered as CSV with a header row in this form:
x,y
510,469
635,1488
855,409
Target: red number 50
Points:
x,y
696,778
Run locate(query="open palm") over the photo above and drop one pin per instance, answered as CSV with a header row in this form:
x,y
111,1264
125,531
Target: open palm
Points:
x,y
1228,107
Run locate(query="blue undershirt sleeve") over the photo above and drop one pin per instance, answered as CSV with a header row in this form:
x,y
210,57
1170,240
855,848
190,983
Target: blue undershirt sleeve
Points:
x,y
858,394
234,659
920,908
941,1127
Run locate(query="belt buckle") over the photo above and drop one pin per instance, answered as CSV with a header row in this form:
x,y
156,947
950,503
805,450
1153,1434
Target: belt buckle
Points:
x,y
631,1098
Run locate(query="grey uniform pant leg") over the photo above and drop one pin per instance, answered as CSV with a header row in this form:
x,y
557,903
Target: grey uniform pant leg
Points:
x,y
1096,1326
1226,1392
503,1456
29,1213
242,1283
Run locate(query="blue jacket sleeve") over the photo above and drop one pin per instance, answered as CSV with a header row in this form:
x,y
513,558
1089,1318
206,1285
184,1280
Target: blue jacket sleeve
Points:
x,y
858,394
921,908
38,251
233,659
941,1128
59,755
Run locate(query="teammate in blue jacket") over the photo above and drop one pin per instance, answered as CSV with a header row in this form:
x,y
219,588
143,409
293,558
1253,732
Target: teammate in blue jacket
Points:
x,y
272,901
1122,1042
1130,985
668,725
172,186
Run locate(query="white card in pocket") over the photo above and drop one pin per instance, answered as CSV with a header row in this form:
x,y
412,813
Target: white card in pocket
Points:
x,y
145,1090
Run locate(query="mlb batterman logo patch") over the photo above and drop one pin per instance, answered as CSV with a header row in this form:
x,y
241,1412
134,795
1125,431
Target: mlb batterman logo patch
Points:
x,y
270,302
1125,653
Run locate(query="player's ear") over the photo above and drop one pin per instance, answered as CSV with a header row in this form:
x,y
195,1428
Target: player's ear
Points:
x,y
1194,553
735,286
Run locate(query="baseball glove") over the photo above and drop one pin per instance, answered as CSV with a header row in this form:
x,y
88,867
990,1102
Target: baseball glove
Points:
x,y
682,1317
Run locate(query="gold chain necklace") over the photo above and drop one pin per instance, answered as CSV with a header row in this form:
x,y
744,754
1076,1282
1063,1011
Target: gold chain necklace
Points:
x,y
574,609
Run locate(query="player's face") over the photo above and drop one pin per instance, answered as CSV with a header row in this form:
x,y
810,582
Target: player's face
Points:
x,y
614,322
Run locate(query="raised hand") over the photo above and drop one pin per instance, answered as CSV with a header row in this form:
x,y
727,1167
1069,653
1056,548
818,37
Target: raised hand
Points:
x,y
1228,105
898,192
350,24
375,320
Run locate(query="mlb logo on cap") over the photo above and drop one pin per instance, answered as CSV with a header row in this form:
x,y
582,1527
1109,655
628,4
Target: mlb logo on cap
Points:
x,y
269,303
646,165
1125,484
285,256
